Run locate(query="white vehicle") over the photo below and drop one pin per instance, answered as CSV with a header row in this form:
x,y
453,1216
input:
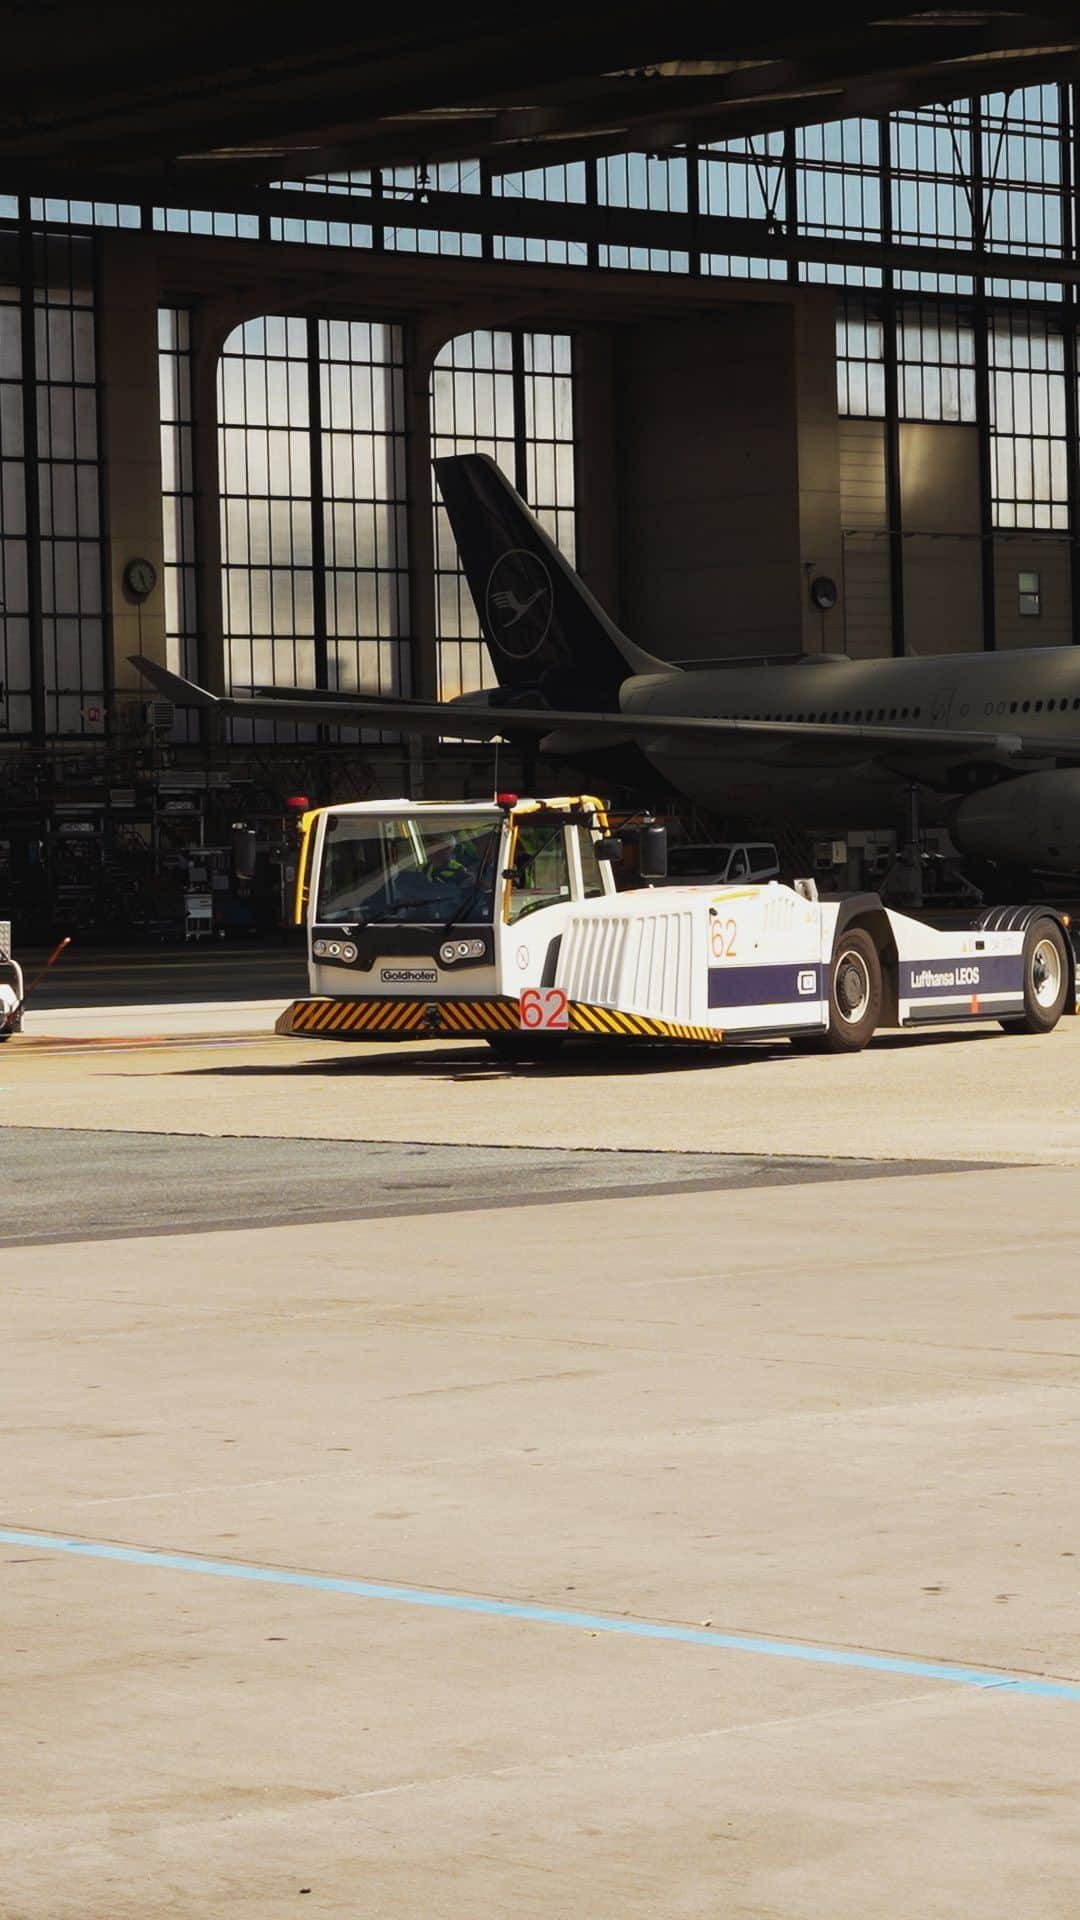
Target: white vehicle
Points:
x,y
500,920
724,863
11,985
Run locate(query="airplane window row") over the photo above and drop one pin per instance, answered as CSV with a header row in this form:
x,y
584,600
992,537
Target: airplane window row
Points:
x,y
875,715
871,715
1037,706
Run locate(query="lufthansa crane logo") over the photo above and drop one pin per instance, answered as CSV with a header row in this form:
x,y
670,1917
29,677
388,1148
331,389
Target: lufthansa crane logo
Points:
x,y
519,603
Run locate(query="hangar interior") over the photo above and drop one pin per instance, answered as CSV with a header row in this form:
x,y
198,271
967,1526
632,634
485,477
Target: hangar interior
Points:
x,y
728,324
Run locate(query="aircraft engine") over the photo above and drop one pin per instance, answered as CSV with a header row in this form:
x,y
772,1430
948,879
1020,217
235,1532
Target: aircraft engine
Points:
x,y
1033,821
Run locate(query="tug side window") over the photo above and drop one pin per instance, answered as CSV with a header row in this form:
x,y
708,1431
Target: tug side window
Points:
x,y
540,867
591,877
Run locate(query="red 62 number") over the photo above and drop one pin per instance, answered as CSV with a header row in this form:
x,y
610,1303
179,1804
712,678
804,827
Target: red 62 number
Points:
x,y
544,1007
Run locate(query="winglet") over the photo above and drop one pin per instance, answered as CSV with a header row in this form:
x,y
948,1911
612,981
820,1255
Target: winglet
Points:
x,y
182,693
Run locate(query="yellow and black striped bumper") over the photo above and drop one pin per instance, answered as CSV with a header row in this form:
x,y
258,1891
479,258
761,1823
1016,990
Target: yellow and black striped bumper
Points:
x,y
464,1019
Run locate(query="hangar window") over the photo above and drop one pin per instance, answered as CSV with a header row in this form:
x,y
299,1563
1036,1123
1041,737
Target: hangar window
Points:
x,y
511,395
839,191
82,213
860,357
311,447
360,467
1022,166
744,179
931,187
223,226
935,349
72,630
650,182
568,183
1029,598
15,714
447,176
1028,444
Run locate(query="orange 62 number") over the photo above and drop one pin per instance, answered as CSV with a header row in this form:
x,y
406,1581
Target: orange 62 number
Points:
x,y
722,934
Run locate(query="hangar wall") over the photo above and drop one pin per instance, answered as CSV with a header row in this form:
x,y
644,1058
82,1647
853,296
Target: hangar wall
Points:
x,y
727,478
940,549
864,522
708,475
942,563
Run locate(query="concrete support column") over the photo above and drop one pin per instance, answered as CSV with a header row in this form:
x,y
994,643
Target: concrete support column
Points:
x,y
209,329
709,533
420,353
818,457
597,467
131,449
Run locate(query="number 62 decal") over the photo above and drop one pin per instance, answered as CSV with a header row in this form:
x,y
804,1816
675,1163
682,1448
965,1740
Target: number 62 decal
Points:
x,y
722,935
543,1007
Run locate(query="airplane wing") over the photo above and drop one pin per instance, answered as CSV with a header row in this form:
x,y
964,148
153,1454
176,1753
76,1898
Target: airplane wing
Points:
x,y
827,740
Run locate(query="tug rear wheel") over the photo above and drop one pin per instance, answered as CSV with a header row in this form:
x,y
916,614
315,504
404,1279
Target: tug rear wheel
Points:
x,y
854,992
1048,979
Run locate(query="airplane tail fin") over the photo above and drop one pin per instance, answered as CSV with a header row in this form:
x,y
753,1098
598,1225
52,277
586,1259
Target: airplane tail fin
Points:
x,y
547,635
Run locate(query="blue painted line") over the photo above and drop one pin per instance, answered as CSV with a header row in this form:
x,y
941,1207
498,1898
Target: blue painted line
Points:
x,y
552,1616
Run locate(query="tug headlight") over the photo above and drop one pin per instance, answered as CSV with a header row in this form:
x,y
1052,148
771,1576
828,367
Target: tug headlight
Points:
x,y
452,952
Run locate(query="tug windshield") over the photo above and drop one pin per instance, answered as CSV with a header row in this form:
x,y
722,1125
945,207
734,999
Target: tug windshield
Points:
x,y
426,868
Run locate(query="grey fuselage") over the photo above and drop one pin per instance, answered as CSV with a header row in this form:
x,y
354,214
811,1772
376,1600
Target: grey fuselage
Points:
x,y
1034,692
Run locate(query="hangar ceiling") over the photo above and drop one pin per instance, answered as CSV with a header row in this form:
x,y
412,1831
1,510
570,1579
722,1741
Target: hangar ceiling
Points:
x,y
151,103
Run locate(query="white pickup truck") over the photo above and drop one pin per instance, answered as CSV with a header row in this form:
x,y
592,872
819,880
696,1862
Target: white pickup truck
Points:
x,y
500,920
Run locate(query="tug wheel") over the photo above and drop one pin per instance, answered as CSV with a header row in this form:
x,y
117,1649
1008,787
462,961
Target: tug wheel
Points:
x,y
1048,979
854,992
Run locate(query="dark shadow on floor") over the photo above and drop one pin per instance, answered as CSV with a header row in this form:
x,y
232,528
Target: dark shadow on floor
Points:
x,y
589,1061
585,1060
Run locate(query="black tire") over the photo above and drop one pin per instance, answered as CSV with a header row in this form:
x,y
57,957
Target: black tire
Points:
x,y
1049,973
524,1046
854,993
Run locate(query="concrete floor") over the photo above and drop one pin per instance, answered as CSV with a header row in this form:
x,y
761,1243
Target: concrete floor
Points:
x,y
798,1427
